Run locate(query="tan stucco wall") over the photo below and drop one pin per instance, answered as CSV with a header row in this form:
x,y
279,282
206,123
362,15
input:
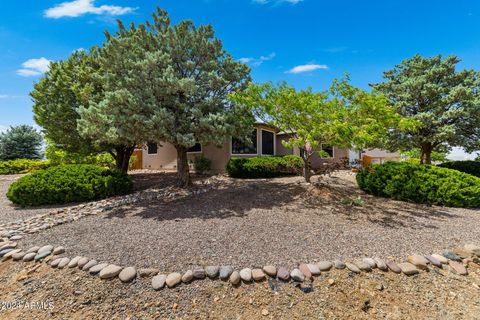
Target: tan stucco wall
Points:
x,y
166,157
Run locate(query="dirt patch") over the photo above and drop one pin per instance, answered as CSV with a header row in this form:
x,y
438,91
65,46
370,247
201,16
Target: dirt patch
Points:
x,y
437,294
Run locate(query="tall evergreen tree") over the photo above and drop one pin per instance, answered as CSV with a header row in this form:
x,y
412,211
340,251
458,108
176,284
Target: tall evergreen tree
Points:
x,y
21,142
168,83
444,102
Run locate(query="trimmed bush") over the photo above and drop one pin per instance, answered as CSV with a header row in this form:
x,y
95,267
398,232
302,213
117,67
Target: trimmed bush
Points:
x,y
264,167
68,183
22,166
201,164
421,184
468,166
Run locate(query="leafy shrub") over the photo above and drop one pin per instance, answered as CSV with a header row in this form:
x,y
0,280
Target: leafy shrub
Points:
x,y
421,184
58,156
22,166
264,167
68,183
468,166
201,164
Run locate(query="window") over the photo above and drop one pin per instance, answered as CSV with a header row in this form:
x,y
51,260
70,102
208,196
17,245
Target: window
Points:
x,y
238,147
152,148
267,143
327,150
196,148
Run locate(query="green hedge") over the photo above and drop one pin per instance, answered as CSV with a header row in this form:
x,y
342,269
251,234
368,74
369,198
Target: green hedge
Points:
x,y
264,167
421,184
468,166
68,183
22,166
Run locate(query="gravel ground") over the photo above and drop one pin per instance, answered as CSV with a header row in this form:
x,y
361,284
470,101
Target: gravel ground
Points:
x,y
72,294
9,212
254,222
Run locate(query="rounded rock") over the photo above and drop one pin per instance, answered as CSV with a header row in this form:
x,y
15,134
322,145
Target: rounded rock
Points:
x,y
82,262
63,262
29,256
110,271
297,275
212,271
283,274
324,265
173,279
370,262
314,269
187,276
158,282
418,261
127,274
41,255
58,250
45,248
258,275
440,258
352,267
270,270
18,256
74,262
97,268
55,262
393,266
148,272
235,278
246,274
225,272
33,249
381,264
88,265
199,273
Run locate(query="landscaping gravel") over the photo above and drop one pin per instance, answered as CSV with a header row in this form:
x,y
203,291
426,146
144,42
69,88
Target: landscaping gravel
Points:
x,y
10,212
253,223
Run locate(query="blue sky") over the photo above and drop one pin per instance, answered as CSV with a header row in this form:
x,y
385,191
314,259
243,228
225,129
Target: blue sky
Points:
x,y
305,42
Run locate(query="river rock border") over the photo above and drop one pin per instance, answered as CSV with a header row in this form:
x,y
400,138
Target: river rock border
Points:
x,y
16,230
457,259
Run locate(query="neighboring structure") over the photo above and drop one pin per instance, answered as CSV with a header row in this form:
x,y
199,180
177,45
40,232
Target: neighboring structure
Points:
x,y
371,156
267,141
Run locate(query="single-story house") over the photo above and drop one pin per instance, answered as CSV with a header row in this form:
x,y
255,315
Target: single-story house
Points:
x,y
266,141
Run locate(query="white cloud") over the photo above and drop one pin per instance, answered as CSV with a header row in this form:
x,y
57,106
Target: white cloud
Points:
x,y
78,8
257,61
307,68
34,67
3,128
277,1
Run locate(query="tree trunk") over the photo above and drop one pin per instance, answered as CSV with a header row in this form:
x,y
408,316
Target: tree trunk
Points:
x,y
426,156
182,167
307,172
122,157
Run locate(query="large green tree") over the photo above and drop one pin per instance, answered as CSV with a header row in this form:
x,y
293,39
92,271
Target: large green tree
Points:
x,y
343,116
56,101
443,101
21,142
168,83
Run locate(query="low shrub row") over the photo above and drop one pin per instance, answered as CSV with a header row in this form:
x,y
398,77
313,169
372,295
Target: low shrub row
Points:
x,y
68,183
468,166
22,166
264,167
421,184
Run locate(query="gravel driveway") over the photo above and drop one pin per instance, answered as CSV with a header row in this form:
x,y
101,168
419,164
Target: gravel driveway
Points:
x,y
10,212
252,223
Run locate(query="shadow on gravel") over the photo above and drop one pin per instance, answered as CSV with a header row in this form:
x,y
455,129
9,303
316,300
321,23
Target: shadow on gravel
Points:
x,y
232,200
383,211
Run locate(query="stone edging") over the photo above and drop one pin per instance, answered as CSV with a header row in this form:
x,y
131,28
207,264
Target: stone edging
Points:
x,y
16,230
458,260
